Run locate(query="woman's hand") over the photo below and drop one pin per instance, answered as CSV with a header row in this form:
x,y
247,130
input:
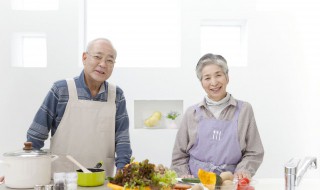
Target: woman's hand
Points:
x,y
1,179
242,174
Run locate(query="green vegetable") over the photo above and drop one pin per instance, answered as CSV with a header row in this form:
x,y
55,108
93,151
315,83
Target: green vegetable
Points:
x,y
191,180
143,174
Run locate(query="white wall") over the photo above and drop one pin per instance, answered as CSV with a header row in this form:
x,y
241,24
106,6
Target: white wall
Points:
x,y
281,80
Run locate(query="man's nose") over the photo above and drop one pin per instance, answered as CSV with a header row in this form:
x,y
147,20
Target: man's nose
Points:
x,y
103,64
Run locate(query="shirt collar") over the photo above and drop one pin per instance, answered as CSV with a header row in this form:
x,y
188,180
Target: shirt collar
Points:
x,y
232,102
217,103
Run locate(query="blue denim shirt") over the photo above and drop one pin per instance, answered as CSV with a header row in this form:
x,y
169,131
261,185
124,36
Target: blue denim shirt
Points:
x,y
49,116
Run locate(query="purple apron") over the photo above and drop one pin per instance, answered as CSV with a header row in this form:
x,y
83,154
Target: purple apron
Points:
x,y
217,147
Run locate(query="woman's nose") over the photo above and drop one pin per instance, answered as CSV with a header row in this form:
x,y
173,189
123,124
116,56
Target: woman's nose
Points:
x,y
213,82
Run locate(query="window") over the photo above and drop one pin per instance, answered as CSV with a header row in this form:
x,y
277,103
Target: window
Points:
x,y
29,50
145,33
35,5
227,38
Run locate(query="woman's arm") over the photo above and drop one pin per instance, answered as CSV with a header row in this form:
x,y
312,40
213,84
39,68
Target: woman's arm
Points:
x,y
250,142
184,138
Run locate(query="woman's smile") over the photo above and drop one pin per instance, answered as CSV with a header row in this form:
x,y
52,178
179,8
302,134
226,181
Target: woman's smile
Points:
x,y
214,82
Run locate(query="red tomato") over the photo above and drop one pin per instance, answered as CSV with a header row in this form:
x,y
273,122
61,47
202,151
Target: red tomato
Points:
x,y
250,188
243,184
246,179
242,187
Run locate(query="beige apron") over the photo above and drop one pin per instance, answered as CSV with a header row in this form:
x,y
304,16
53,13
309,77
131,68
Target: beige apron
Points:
x,y
86,132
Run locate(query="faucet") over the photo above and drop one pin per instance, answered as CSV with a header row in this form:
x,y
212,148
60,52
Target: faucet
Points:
x,y
295,169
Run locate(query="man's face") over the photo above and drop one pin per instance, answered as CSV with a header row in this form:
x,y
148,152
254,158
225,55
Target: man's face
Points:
x,y
99,61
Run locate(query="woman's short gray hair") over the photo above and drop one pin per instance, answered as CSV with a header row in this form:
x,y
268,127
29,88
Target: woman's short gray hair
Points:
x,y
209,59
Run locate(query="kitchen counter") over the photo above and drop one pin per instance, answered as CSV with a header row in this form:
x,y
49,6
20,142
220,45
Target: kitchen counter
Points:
x,y
262,184
102,187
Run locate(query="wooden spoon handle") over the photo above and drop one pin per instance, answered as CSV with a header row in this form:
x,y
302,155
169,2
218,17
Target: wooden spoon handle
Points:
x,y
84,169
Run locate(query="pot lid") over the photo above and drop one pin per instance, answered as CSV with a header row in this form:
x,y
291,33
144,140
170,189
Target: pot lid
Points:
x,y
27,151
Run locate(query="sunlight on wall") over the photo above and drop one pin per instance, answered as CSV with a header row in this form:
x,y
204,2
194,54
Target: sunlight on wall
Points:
x,y
227,38
35,5
146,41
29,50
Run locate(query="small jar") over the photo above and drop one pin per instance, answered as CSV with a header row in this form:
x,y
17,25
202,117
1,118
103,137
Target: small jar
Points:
x,y
71,180
49,187
59,181
39,187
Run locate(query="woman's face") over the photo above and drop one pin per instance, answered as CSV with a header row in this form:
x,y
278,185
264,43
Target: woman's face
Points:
x,y
214,82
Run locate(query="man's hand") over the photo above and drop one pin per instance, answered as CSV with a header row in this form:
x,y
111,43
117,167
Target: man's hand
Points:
x,y
1,179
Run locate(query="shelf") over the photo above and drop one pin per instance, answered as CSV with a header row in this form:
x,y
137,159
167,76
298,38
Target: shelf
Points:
x,y
144,109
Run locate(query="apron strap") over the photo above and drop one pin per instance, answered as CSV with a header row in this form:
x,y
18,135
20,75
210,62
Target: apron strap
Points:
x,y
72,89
239,105
111,92
199,113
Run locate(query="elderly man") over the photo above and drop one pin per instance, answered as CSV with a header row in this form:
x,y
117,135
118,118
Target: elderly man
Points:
x,y
86,115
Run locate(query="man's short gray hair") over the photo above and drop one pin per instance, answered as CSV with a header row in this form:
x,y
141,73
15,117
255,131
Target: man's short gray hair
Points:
x,y
209,59
98,39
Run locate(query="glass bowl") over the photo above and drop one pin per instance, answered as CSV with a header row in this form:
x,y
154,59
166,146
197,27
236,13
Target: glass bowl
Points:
x,y
232,186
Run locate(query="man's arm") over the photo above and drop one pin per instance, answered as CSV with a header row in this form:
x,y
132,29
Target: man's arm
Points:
x,y
122,144
42,123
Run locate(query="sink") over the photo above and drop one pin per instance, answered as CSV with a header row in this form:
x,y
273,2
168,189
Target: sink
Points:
x,y
279,184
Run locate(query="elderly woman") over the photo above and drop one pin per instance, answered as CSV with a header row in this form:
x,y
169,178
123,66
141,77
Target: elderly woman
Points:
x,y
219,133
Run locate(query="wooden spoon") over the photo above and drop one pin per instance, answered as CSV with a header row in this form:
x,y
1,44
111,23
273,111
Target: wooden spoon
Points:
x,y
84,169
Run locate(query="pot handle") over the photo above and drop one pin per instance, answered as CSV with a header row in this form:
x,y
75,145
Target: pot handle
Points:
x,y
54,157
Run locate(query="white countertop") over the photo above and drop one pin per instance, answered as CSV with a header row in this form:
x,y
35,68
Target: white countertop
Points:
x,y
279,184
102,187
261,184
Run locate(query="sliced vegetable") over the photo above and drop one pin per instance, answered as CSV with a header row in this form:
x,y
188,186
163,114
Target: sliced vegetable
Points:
x,y
191,180
209,179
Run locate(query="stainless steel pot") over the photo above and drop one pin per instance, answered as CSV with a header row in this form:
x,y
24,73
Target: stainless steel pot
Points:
x,y
27,168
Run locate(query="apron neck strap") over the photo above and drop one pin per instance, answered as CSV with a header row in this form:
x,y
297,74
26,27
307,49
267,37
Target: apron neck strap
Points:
x,y
239,104
111,92
72,89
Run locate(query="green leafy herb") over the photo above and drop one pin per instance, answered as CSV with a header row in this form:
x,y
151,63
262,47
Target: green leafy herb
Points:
x,y
142,174
172,115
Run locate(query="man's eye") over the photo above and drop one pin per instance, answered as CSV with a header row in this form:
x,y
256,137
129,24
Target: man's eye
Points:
x,y
110,61
97,57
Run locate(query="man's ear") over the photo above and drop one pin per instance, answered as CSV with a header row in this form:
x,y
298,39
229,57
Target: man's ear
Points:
x,y
84,57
